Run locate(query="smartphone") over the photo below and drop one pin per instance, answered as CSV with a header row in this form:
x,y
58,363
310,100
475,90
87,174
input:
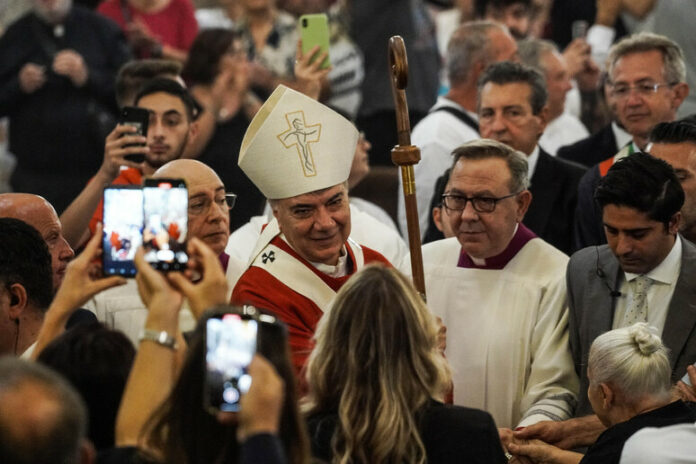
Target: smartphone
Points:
x,y
230,341
165,223
122,221
314,30
138,118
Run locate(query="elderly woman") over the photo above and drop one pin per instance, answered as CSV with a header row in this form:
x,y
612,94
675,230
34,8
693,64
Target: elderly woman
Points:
x,y
375,376
629,373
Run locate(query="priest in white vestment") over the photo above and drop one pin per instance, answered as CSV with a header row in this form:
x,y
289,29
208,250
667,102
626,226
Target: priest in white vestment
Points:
x,y
501,293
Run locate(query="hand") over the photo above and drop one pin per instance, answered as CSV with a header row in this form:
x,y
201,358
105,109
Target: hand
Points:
x,y
261,406
139,35
162,300
541,453
688,393
308,72
506,438
211,289
83,277
70,64
568,434
260,76
31,77
588,78
576,55
115,151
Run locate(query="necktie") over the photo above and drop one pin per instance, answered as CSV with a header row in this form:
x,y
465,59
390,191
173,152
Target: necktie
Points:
x,y
638,310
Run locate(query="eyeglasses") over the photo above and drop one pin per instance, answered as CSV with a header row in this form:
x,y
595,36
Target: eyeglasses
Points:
x,y
202,205
644,89
454,202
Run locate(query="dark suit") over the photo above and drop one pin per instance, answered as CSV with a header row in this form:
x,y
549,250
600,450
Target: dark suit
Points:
x,y
591,150
554,187
593,273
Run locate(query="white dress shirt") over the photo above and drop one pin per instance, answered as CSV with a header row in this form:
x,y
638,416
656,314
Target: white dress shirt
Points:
x,y
664,277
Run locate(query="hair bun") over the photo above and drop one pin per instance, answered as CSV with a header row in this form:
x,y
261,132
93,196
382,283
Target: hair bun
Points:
x,y
645,338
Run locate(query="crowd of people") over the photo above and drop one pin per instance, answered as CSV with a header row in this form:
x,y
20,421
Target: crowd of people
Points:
x,y
556,203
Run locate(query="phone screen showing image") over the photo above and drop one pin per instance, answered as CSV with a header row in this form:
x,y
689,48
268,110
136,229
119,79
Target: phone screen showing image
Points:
x,y
122,230
165,223
230,347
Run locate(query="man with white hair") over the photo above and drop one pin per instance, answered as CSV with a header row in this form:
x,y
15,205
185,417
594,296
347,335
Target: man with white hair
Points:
x,y
298,153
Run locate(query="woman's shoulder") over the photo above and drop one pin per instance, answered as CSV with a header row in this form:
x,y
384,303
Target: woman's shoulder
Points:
x,y
459,434
437,414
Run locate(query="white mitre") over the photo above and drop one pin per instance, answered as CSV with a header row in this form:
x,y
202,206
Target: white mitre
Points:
x,y
296,145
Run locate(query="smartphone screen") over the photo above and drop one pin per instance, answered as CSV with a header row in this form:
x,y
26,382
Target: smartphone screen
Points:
x,y
314,30
138,118
122,230
230,345
165,223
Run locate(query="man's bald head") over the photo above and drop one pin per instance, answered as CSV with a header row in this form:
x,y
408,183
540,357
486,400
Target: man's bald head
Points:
x,y
209,218
42,418
40,214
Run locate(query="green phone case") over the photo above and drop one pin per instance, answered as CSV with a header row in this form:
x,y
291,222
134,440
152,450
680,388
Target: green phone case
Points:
x,y
314,30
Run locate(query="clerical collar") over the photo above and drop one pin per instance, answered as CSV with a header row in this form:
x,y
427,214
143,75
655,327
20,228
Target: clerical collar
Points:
x,y
519,239
339,270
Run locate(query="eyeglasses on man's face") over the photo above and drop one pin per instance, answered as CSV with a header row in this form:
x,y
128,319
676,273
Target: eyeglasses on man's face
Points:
x,y
456,202
644,89
201,205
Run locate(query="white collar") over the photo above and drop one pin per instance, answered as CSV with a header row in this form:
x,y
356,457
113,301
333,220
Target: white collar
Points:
x,y
532,161
622,137
28,352
339,270
667,272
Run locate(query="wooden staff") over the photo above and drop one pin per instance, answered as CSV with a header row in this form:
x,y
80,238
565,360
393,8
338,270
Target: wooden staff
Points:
x,y
406,155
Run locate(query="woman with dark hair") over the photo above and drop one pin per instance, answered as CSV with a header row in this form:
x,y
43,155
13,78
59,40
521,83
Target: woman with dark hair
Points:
x,y
217,74
376,376
162,418
96,361
182,431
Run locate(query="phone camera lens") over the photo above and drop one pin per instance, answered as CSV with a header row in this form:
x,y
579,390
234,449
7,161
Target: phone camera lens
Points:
x,y
304,22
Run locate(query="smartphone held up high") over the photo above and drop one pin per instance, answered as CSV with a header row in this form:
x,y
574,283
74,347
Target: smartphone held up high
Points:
x,y
230,346
122,230
138,118
165,223
314,30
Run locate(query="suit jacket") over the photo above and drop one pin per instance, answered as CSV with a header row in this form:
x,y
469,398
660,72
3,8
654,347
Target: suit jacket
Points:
x,y
593,273
591,150
554,187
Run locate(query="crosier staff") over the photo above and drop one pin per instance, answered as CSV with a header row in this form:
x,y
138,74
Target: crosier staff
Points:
x,y
406,155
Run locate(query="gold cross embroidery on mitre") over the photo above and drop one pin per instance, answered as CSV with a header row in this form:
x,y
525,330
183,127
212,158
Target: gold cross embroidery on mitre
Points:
x,y
300,135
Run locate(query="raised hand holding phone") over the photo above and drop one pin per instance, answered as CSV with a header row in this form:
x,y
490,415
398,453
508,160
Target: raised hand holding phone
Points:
x,y
165,226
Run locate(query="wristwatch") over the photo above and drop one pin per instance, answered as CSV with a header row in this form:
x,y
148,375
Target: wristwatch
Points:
x,y
161,338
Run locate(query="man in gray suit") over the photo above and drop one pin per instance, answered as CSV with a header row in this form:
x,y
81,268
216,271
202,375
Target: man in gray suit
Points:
x,y
644,273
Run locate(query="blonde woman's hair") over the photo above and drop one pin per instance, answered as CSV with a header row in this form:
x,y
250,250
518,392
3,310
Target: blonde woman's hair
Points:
x,y
632,359
376,362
